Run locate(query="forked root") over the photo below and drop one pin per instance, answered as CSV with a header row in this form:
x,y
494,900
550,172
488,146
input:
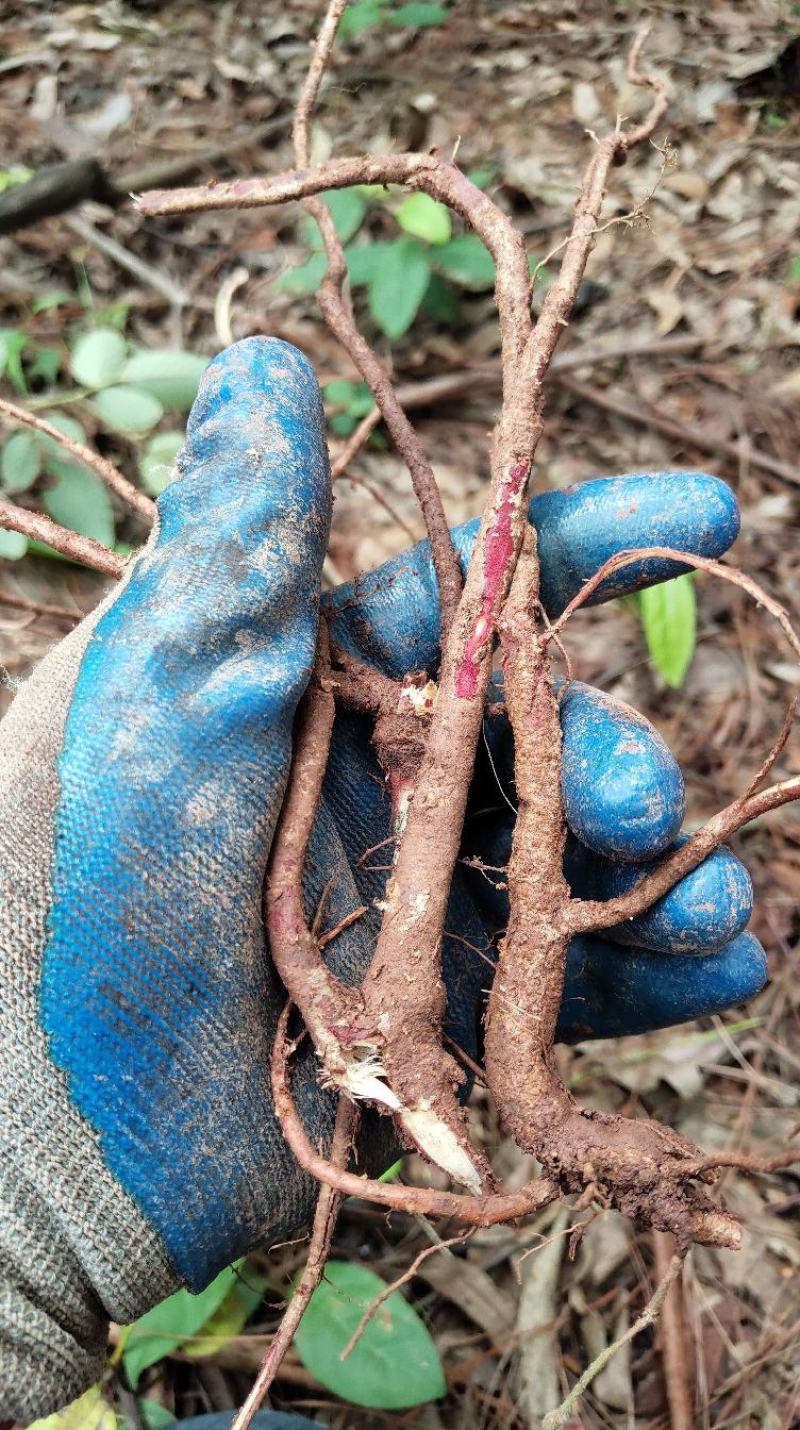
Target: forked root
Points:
x,y
633,1165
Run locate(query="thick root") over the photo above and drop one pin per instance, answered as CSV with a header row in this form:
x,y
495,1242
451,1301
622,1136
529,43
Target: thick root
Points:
x,y
633,1165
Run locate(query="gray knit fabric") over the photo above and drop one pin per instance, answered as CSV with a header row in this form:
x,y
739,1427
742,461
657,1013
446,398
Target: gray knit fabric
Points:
x,y
74,1251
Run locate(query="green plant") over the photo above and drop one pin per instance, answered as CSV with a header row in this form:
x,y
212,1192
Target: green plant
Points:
x,y
93,1412
349,401
394,1363
196,1325
367,14
124,389
668,616
423,267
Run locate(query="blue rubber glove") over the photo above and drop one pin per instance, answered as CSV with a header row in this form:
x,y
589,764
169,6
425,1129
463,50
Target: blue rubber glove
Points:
x,y
141,774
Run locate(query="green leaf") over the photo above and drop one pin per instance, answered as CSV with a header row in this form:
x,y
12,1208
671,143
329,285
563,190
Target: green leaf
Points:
x,y
20,461
793,273
152,1416
392,1172
353,400
54,299
348,208
398,285
91,1412
356,396
126,409
668,615
79,501
231,1316
467,262
12,343
341,391
306,278
395,1363
12,545
418,15
16,174
481,178
170,1323
424,217
46,364
113,315
360,16
62,421
363,260
98,357
172,377
440,302
158,459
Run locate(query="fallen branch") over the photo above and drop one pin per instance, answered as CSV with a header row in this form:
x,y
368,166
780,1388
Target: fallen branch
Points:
x,y
55,188
649,1316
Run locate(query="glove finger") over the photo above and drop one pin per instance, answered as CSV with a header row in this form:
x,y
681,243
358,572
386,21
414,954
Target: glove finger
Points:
x,y
580,528
611,992
390,616
175,755
622,786
707,909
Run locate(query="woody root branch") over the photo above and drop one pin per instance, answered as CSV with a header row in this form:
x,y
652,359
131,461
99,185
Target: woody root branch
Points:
x,y
381,1043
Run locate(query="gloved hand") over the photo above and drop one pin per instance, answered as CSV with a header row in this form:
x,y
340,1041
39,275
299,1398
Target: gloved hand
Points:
x,y
141,774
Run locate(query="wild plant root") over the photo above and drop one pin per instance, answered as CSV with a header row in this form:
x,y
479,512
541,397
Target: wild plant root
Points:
x,y
382,1042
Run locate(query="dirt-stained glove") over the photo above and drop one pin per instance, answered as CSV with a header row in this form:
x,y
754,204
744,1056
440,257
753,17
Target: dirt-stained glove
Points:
x,y
142,769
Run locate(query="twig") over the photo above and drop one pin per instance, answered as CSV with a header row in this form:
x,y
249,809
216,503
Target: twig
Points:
x,y
339,317
328,936
743,1161
319,1246
686,558
688,434
777,749
145,273
488,375
408,1275
674,1338
649,1316
82,549
106,471
377,495
354,443
39,608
